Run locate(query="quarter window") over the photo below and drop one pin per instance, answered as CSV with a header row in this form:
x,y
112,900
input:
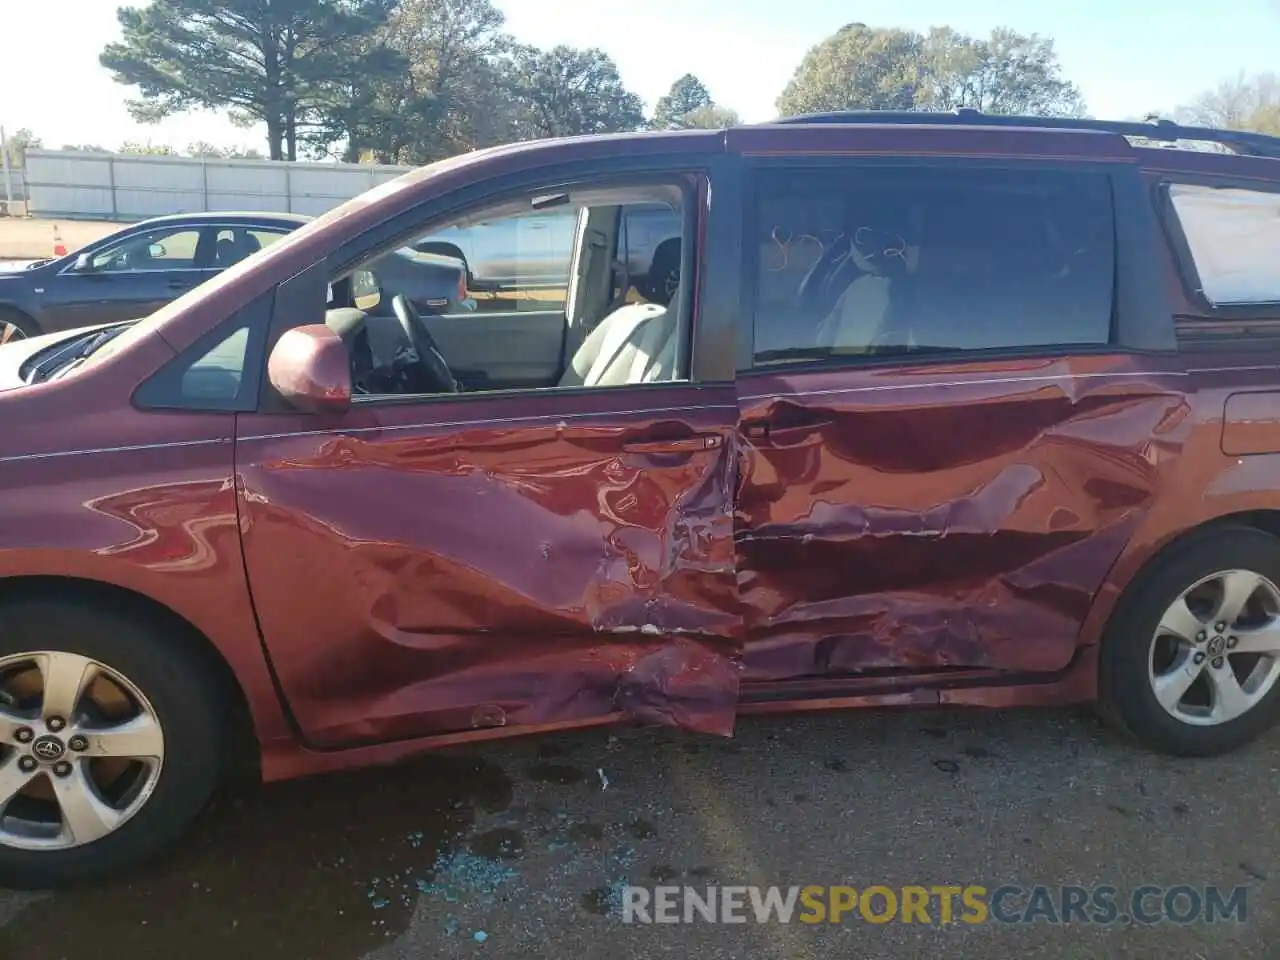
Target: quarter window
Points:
x,y
874,259
1233,236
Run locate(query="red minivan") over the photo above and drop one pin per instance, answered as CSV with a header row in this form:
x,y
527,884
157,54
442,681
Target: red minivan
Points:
x,y
934,409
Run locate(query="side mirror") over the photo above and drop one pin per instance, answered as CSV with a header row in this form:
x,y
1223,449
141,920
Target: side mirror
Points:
x,y
157,250
84,263
311,369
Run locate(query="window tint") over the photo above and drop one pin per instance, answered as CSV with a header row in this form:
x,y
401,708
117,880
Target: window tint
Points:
x,y
266,238
233,244
878,259
155,250
216,375
1233,236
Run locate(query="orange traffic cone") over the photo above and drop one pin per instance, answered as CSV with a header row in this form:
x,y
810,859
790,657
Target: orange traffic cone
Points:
x,y
59,248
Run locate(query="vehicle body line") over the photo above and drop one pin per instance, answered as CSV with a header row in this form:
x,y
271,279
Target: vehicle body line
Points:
x,y
94,451
918,385
496,421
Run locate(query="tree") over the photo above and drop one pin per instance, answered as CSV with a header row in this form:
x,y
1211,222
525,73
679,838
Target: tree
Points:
x,y
711,117
566,91
686,95
1005,73
266,60
860,68
147,149
445,99
18,143
863,68
204,150
1241,103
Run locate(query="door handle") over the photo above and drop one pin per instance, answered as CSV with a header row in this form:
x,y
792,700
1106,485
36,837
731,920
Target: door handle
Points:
x,y
767,433
179,284
708,441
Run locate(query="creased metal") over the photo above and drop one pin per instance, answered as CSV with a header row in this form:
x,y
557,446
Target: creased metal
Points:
x,y
502,575
965,525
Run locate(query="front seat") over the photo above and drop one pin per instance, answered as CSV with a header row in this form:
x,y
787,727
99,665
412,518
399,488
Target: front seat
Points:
x,y
224,252
634,344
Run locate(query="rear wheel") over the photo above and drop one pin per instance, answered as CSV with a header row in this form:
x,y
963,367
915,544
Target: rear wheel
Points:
x,y
1190,661
109,742
15,326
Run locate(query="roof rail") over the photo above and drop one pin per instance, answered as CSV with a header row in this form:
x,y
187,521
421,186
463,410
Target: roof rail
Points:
x,y
1238,141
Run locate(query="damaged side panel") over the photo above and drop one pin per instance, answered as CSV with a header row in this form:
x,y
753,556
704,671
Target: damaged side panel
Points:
x,y
957,516
416,574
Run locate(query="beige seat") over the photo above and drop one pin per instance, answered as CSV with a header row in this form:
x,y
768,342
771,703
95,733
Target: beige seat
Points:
x,y
634,344
859,316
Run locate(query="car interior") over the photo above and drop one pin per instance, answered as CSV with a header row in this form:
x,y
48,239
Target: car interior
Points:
x,y
605,328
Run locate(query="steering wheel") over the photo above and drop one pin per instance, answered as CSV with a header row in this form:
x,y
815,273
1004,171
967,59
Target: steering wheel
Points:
x,y
431,362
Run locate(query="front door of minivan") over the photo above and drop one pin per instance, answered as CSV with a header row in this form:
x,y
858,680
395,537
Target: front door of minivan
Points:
x,y
945,448
443,564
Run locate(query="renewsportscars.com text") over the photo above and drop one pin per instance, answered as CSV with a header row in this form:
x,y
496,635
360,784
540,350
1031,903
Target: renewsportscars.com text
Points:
x,y
936,904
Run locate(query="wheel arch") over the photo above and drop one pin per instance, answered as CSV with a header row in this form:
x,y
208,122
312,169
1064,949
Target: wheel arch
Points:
x,y
1131,569
244,752
22,316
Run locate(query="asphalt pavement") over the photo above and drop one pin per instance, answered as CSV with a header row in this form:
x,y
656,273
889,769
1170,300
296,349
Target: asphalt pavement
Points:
x,y
523,848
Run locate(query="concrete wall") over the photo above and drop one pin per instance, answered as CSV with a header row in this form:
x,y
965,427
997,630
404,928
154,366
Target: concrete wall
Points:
x,y
107,186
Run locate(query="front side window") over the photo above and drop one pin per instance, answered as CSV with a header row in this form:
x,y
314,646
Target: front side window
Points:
x,y
164,249
877,259
528,299
1233,236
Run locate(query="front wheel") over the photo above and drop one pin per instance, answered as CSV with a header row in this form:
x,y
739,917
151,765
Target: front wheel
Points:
x,y
109,742
15,326
1190,661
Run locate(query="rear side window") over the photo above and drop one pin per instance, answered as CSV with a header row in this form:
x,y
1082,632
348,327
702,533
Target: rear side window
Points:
x,y
886,259
1233,237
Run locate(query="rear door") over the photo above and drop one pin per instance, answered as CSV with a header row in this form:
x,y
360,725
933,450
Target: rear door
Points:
x,y
952,411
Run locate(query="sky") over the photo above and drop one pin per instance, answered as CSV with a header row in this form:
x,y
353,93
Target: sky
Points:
x,y
1128,56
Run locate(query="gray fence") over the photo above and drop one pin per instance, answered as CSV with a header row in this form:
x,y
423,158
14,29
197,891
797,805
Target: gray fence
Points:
x,y
113,186
14,192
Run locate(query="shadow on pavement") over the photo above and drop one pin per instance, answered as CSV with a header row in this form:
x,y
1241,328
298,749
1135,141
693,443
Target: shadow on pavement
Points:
x,y
287,871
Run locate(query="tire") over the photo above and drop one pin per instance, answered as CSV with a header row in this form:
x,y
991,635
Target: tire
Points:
x,y
174,682
11,321
1133,661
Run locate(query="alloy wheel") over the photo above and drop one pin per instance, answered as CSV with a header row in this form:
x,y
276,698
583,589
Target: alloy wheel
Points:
x,y
1216,652
10,333
81,750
